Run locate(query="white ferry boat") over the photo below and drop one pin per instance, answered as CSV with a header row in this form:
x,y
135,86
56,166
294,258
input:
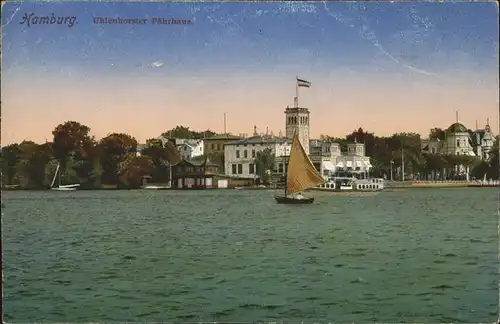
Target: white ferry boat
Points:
x,y
351,182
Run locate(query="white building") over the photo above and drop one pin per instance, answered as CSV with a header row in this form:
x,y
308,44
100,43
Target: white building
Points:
x,y
189,148
482,141
460,141
328,158
239,156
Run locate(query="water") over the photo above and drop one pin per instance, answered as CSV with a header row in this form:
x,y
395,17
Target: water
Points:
x,y
402,256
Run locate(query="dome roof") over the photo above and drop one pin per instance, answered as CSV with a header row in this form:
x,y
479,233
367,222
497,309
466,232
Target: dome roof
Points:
x,y
457,128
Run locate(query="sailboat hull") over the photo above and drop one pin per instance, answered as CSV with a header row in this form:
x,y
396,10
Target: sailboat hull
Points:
x,y
293,201
66,187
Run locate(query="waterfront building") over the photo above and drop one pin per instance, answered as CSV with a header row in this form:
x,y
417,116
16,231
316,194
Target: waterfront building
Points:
x,y
215,144
239,156
326,156
194,175
459,140
482,141
190,148
329,159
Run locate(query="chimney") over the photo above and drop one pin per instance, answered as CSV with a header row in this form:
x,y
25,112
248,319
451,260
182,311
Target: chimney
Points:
x,y
267,130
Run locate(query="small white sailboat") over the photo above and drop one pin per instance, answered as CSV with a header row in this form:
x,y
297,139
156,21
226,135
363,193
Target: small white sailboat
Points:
x,y
60,187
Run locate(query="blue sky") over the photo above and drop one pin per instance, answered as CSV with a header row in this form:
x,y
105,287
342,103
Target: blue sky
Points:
x,y
415,63
427,36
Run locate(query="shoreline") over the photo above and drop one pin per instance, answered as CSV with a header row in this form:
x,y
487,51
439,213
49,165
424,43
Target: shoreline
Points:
x,y
386,187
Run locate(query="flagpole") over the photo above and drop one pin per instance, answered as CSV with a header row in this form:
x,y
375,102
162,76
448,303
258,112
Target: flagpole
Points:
x,y
296,92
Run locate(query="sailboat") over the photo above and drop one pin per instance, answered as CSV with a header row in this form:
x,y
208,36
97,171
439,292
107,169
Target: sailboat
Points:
x,y
300,175
60,187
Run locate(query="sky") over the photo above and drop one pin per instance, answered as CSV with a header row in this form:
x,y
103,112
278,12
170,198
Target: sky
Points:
x,y
386,67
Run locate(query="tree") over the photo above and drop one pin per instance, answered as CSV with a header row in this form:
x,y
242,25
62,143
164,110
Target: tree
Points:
x,y
494,163
113,149
437,134
11,155
361,136
160,157
185,133
68,138
433,163
264,162
410,144
480,169
31,167
133,168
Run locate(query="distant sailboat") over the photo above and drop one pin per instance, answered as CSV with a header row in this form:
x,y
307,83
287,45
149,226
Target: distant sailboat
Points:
x,y
60,187
300,175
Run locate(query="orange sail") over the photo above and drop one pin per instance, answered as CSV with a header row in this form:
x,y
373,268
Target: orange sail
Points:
x,y
301,173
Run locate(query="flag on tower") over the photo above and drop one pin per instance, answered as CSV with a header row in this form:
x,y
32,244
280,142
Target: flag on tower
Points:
x,y
303,83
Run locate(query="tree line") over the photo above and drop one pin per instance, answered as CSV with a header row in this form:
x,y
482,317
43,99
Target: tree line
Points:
x,y
112,160
393,150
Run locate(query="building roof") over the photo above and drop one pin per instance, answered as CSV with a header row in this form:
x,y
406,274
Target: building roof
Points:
x,y
205,162
457,128
190,142
261,139
478,135
223,137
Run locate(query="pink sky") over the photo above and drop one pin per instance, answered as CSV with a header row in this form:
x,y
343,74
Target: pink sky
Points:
x,y
147,105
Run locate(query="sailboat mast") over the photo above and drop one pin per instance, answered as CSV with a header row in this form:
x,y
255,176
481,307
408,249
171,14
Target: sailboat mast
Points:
x,y
55,176
286,173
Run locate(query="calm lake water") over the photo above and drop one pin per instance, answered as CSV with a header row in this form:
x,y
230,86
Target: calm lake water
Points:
x,y
233,255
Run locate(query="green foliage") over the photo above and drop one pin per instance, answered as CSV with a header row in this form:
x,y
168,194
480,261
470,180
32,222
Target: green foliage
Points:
x,y
494,163
68,137
133,168
437,133
113,150
264,162
160,156
185,133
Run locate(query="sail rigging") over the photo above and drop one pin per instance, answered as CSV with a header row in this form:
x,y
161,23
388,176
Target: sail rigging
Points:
x,y
301,173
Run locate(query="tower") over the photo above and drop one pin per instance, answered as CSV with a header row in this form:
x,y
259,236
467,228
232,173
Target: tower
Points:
x,y
297,120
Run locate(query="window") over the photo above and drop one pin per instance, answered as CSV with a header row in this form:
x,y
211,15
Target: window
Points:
x,y
237,154
251,168
458,143
245,154
253,153
240,168
233,169
218,147
212,146
280,168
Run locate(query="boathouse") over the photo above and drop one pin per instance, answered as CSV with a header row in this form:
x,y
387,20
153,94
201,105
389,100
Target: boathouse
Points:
x,y
194,175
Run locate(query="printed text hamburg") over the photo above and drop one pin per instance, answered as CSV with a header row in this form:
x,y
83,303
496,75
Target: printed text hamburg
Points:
x,y
141,21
